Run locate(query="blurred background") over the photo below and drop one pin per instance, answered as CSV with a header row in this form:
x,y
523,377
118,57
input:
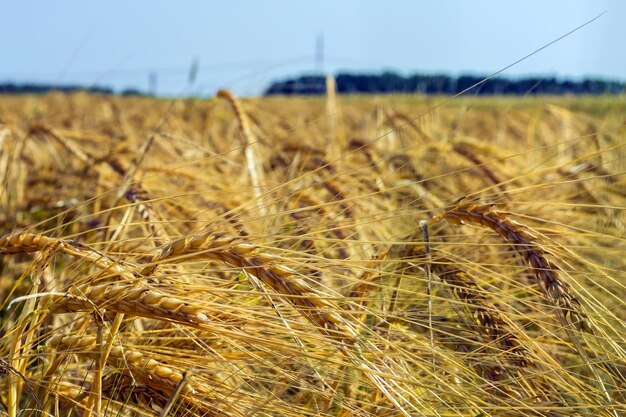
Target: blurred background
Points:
x,y
196,47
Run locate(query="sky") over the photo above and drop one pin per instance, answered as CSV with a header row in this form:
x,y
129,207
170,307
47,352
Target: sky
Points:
x,y
244,45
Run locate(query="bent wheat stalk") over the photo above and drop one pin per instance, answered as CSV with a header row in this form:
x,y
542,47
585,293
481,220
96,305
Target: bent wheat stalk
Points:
x,y
127,295
144,368
494,334
29,242
547,274
311,303
314,305
247,139
148,371
133,300
134,192
485,317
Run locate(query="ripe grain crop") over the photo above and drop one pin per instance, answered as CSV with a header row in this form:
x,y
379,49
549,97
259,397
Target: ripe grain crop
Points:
x,y
331,256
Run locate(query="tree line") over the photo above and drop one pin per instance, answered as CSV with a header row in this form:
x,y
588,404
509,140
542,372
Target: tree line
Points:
x,y
11,88
389,82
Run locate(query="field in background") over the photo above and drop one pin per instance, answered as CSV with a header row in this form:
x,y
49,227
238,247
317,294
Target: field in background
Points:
x,y
331,256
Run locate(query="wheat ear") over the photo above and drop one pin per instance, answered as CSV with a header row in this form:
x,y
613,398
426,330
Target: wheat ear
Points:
x,y
247,139
547,274
134,300
29,242
135,193
486,319
149,371
314,305
153,373
127,295
311,303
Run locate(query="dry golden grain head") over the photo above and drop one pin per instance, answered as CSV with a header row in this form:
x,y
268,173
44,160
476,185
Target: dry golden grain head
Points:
x,y
137,299
554,288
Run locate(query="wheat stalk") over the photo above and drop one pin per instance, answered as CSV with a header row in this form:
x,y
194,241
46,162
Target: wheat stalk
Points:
x,y
150,372
15,243
247,139
547,273
484,317
135,300
313,304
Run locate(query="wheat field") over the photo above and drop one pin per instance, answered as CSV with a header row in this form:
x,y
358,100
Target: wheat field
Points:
x,y
331,256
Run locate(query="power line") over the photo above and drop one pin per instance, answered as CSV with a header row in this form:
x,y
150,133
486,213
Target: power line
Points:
x,y
226,66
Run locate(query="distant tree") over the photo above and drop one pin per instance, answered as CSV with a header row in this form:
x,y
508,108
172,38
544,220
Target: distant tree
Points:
x,y
131,92
11,88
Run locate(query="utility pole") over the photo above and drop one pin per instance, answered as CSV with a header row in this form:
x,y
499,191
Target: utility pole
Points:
x,y
319,54
152,83
193,72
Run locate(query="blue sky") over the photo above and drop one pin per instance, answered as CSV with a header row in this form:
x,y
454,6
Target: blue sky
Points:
x,y
243,45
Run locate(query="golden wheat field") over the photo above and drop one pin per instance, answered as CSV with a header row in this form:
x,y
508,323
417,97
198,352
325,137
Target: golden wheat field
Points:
x,y
332,256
